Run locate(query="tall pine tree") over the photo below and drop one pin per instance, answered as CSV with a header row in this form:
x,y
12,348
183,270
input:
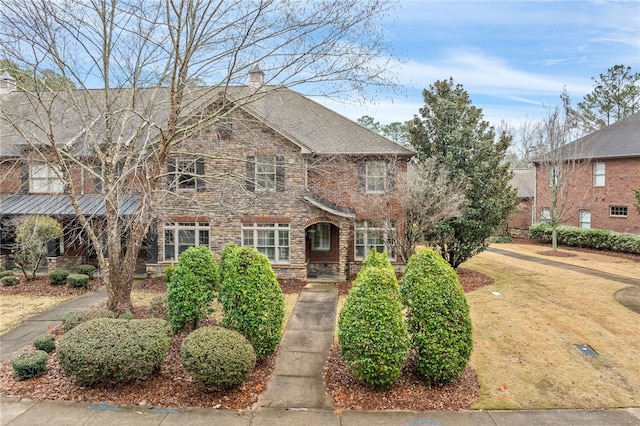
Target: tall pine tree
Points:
x,y
451,130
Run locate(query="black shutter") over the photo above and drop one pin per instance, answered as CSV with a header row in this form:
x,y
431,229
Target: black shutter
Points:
x,y
200,175
362,176
151,245
171,174
250,182
97,180
391,175
279,173
24,176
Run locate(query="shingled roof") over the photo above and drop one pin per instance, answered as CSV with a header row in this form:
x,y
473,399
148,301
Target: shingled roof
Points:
x,y
618,140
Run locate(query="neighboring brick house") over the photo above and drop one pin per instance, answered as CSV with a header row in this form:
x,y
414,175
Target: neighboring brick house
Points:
x,y
294,179
605,170
524,182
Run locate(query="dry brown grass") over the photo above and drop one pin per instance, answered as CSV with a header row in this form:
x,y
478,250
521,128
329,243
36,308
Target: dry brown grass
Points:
x,y
525,340
14,309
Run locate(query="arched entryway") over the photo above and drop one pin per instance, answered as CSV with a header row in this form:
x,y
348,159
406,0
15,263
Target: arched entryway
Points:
x,y
323,250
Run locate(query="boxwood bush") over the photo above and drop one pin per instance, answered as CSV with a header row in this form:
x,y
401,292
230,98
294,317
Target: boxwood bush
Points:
x,y
45,342
158,307
438,316
31,363
110,350
58,276
9,280
251,297
191,287
78,280
217,357
598,239
74,318
371,330
87,270
8,273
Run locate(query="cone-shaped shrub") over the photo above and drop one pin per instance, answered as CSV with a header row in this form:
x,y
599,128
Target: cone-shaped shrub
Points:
x,y
191,287
438,316
251,297
371,331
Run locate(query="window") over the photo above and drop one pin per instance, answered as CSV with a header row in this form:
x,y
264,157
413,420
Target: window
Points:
x,y
321,238
270,239
585,219
618,211
375,176
554,174
374,236
598,174
186,173
179,236
43,179
265,174
545,215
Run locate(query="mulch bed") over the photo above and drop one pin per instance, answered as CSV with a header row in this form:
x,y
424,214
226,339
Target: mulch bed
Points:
x,y
40,286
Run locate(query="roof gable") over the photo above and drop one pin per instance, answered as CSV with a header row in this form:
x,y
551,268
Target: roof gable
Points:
x,y
620,139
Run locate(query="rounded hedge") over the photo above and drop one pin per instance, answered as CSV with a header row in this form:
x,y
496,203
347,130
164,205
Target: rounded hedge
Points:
x,y
372,333
158,307
9,281
58,276
45,342
78,280
74,318
191,287
87,270
217,357
32,363
109,350
438,316
252,299
8,273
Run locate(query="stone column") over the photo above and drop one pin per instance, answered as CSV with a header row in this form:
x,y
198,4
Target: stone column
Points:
x,y
345,230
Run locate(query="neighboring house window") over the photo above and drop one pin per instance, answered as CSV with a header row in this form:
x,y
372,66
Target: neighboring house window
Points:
x,y
373,236
598,174
270,239
265,173
43,179
321,238
376,176
554,172
179,236
585,219
618,211
545,215
186,173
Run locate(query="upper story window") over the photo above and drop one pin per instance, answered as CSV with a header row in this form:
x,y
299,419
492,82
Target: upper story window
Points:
x,y
374,236
618,211
265,173
598,174
375,176
545,215
186,173
43,178
179,236
270,239
554,173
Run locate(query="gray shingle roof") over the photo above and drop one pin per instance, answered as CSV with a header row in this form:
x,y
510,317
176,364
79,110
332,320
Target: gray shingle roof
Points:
x,y
618,140
524,182
60,205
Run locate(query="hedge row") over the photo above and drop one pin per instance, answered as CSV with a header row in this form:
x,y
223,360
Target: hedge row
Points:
x,y
598,239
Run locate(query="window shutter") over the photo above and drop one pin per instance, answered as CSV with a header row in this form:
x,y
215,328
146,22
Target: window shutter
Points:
x,y
97,181
171,174
24,176
279,173
250,182
362,176
200,175
391,175
151,246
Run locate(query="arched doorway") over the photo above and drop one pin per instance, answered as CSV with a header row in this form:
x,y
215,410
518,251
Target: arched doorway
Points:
x,y
323,250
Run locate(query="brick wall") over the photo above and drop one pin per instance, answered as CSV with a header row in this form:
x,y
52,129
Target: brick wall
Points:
x,y
621,177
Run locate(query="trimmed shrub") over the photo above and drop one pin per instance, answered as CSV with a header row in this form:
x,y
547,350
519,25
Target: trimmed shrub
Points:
x,y
168,273
32,363
45,342
191,288
9,280
598,239
75,318
158,307
126,316
438,316
87,270
252,299
109,350
217,357
377,259
372,333
58,276
78,280
7,274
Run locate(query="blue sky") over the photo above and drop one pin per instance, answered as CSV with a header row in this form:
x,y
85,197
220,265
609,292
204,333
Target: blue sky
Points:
x,y
513,57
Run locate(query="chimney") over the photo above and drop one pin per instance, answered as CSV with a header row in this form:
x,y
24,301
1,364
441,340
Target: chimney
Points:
x,y
7,83
256,77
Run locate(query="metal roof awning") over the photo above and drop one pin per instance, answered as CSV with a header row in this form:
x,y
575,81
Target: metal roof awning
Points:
x,y
60,205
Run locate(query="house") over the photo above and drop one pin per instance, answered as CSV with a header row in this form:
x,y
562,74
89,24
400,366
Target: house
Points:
x,y
523,181
282,173
603,169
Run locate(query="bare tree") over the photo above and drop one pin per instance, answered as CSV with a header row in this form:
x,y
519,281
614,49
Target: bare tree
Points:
x,y
164,71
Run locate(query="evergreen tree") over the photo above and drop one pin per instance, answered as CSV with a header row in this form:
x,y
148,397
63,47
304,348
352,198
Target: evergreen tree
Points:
x,y
451,130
